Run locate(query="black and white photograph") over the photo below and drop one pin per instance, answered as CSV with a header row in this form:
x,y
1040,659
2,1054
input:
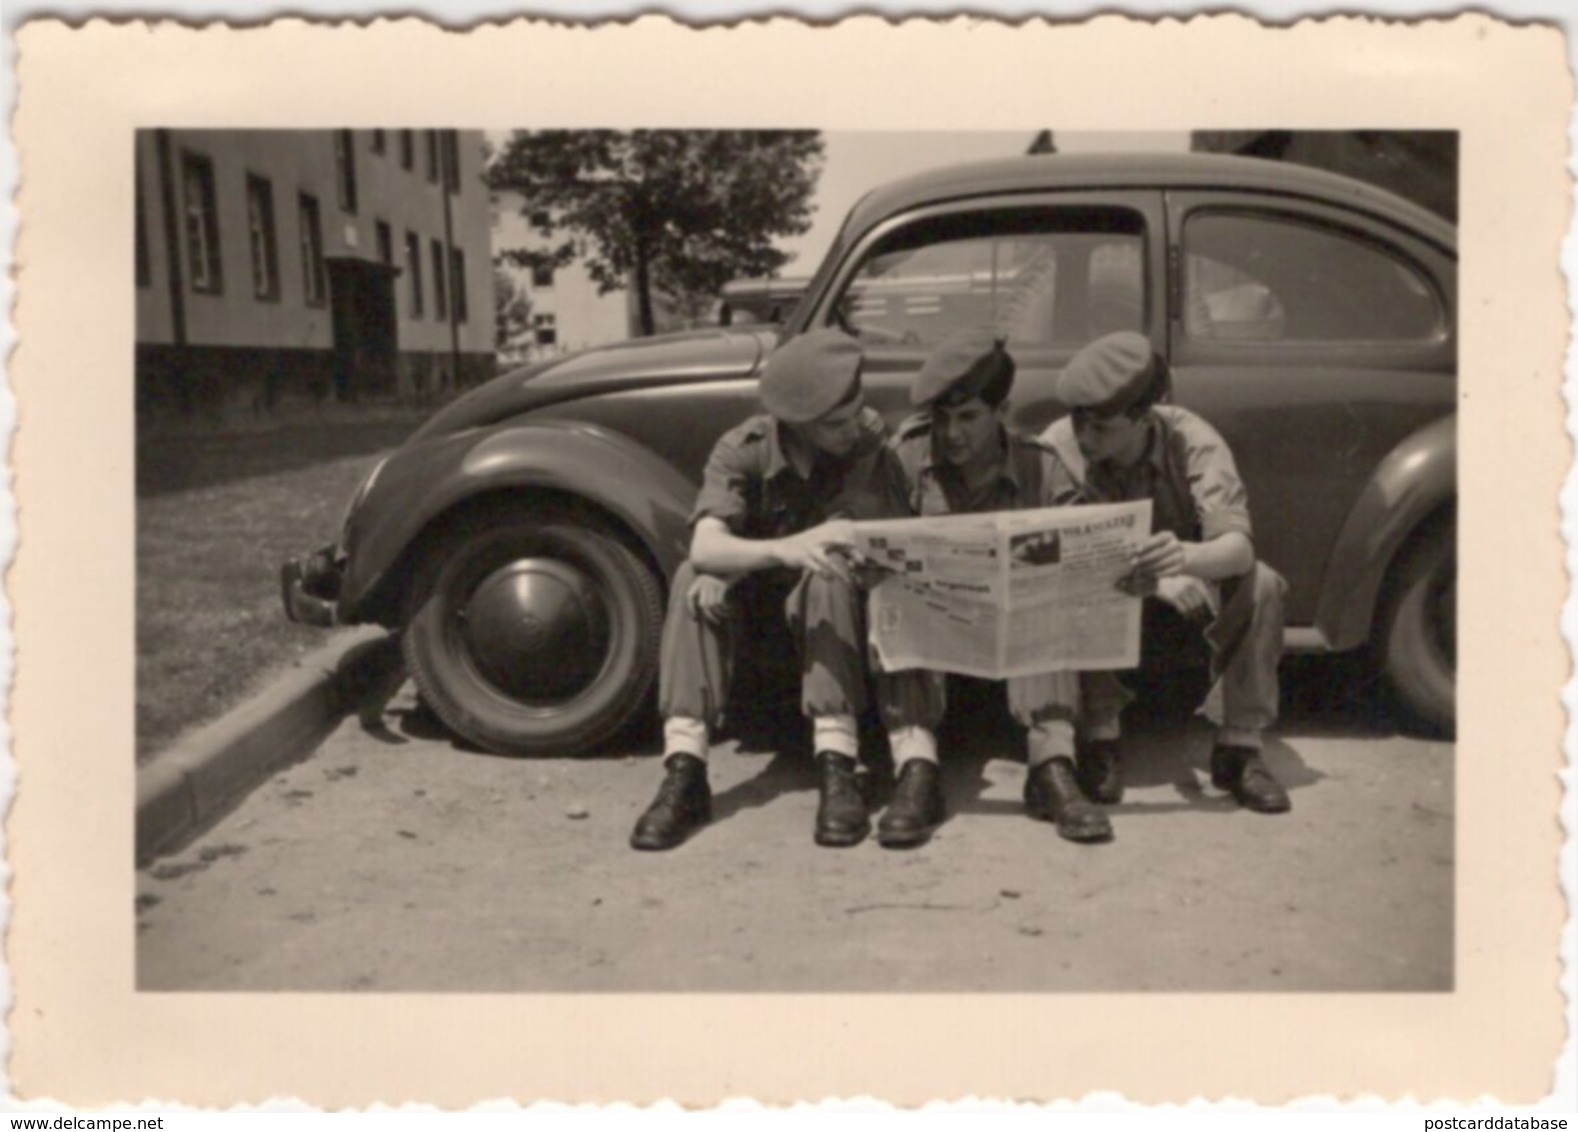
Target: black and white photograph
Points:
x,y
490,652
576,421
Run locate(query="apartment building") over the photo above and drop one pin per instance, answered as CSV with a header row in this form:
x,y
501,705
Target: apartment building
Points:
x,y
568,312
282,268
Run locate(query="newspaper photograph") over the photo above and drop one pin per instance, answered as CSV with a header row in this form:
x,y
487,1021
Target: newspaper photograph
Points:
x,y
1008,593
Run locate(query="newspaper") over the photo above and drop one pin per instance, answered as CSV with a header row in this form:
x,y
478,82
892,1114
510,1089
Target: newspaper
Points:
x,y
1009,593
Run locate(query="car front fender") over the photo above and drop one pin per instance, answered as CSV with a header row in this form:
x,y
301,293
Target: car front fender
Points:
x,y
1415,481
423,483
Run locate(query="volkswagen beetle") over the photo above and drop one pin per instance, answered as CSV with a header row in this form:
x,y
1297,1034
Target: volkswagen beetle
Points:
x,y
521,540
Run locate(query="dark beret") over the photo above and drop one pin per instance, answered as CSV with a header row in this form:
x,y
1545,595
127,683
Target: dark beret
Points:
x,y
963,364
1108,375
810,375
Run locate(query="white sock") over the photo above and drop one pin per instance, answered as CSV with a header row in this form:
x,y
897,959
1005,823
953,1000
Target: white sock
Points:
x,y
1104,729
912,743
683,735
836,733
1050,740
1240,737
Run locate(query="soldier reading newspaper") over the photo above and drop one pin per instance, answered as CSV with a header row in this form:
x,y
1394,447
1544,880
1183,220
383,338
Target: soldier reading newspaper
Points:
x,y
996,578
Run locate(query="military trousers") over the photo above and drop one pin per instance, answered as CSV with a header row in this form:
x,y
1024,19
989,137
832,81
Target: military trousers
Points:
x,y
919,698
826,622
914,702
1244,636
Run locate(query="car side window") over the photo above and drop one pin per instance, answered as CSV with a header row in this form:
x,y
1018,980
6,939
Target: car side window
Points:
x,y
1260,278
1042,277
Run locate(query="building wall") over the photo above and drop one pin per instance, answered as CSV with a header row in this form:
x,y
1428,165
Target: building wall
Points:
x,y
232,329
580,316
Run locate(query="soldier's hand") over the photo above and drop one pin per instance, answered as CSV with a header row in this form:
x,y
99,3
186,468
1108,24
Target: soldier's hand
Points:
x,y
835,534
1136,584
868,575
1160,556
709,598
1189,596
820,550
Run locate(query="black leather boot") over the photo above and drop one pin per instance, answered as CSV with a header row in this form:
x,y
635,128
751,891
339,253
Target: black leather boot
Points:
x,y
841,817
916,809
1243,774
1052,794
1099,769
683,805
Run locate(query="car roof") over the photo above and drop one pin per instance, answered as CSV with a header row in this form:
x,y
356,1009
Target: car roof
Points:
x,y
1143,170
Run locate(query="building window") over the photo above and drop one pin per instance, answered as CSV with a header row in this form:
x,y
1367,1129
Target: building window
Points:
x,y
407,150
202,222
432,155
457,283
261,238
345,168
440,292
380,142
385,244
144,268
540,220
413,268
314,287
541,276
544,330
452,160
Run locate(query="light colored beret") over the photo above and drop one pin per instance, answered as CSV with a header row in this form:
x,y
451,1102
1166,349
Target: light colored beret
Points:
x,y
810,374
1109,374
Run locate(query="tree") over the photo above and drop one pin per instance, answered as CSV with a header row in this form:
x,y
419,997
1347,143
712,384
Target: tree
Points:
x,y
511,309
680,211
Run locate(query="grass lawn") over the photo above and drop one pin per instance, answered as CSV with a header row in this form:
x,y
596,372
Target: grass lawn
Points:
x,y
216,515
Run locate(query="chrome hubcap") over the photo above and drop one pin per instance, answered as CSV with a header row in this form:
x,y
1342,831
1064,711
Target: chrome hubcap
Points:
x,y
538,630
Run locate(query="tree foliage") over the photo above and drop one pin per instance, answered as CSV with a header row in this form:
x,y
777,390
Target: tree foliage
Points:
x,y
677,211
511,309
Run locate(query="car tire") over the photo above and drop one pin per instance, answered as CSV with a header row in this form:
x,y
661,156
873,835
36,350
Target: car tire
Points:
x,y
1419,634
532,632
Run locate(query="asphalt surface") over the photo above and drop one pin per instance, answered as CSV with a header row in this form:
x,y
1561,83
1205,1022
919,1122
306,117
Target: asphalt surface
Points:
x,y
398,859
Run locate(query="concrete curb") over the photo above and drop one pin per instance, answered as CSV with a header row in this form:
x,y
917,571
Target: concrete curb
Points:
x,y
183,791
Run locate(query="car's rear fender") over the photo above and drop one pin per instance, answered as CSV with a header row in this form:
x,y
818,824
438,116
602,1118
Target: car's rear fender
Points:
x,y
1414,485
426,484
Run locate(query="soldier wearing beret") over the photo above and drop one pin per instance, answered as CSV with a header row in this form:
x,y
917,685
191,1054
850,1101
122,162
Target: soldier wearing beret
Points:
x,y
769,530
959,457
1123,445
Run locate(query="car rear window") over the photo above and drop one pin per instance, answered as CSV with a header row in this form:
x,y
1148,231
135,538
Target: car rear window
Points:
x,y
1255,277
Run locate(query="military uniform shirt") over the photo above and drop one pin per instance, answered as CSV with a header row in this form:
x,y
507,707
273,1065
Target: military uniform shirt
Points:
x,y
1031,475
751,485
1187,472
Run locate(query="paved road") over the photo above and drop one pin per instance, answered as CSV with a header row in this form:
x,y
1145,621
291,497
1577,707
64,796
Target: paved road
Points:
x,y
396,859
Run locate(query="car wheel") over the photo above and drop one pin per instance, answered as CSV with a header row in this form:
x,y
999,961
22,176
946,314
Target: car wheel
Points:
x,y
532,633
1419,642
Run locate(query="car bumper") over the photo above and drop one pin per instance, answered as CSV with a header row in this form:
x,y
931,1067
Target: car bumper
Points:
x,y
310,587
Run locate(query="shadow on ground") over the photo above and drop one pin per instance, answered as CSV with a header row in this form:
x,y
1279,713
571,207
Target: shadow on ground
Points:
x,y
1166,742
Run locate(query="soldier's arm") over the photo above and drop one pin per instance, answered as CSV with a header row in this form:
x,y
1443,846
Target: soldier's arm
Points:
x,y
1226,548
1219,495
1225,556
714,549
